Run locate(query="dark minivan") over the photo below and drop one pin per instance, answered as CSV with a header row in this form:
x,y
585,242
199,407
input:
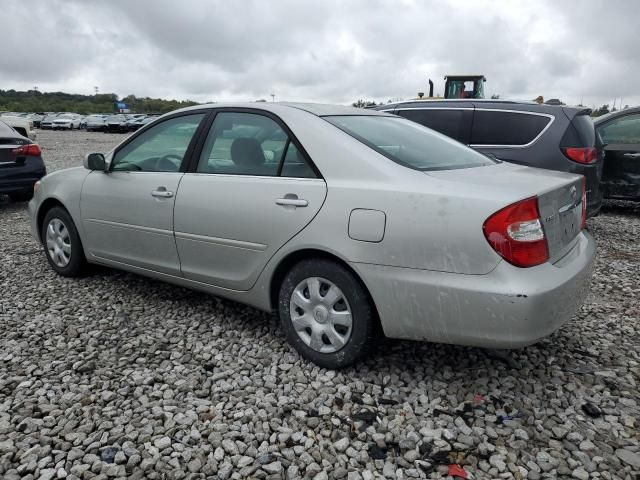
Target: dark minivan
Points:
x,y
554,137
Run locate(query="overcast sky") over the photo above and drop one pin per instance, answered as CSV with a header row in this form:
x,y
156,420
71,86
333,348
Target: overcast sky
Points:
x,y
325,50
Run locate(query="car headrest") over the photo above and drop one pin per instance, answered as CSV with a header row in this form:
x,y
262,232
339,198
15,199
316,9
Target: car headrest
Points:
x,y
247,152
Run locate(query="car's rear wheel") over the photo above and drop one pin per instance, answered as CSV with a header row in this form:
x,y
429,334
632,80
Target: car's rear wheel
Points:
x,y
62,244
326,313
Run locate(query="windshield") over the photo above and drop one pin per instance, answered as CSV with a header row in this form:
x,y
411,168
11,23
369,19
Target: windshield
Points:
x,y
408,143
116,118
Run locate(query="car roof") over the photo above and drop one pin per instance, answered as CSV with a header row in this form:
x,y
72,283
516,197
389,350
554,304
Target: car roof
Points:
x,y
485,103
618,113
319,109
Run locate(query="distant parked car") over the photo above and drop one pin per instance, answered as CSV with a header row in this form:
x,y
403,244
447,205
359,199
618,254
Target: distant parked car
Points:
x,y
141,122
21,164
21,124
347,222
116,123
620,131
95,123
36,118
66,121
47,122
545,136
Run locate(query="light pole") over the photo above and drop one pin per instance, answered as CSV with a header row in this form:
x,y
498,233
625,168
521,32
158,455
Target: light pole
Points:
x,y
273,97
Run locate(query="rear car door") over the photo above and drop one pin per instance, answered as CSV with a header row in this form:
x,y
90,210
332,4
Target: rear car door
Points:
x,y
454,122
127,213
251,190
621,173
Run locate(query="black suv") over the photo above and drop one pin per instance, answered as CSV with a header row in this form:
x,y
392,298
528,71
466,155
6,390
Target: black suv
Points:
x,y
545,136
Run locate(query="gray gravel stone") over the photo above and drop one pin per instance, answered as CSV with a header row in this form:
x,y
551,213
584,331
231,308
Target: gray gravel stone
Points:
x,y
184,384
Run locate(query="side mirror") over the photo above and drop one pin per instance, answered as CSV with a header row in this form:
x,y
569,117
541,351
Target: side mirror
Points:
x,y
95,161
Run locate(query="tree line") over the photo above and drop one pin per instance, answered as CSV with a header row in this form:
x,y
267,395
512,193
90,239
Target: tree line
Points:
x,y
36,101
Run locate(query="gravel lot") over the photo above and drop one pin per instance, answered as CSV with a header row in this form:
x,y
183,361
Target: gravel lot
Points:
x,y
115,375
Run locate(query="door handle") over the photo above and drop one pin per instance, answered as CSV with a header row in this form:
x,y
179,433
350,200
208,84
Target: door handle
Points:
x,y
631,155
162,192
291,199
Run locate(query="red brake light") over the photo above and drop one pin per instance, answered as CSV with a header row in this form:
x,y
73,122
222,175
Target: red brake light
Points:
x,y
584,203
587,155
31,149
516,234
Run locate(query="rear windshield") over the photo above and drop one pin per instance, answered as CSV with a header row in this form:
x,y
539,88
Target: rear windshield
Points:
x,y
409,143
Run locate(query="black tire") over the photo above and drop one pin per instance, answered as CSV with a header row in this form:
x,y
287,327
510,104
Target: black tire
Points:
x,y
21,196
77,262
364,331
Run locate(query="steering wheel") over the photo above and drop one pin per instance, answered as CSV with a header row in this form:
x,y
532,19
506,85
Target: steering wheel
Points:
x,y
169,163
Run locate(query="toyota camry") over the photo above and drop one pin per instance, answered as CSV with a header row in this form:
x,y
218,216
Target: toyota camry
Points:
x,y
348,223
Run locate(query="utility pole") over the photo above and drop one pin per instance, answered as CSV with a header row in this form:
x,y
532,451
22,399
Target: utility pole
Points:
x,y
95,89
273,97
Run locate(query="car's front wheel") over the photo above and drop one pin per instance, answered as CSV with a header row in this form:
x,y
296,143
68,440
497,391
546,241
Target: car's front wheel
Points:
x,y
62,244
326,313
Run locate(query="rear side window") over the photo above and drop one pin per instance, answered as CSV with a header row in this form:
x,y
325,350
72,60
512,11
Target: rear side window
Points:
x,y
448,122
624,130
506,128
242,143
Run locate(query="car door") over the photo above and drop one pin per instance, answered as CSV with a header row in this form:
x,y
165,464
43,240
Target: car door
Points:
x,y
127,213
251,190
621,172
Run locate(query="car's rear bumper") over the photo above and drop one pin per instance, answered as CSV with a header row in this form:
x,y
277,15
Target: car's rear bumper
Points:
x,y
509,307
16,178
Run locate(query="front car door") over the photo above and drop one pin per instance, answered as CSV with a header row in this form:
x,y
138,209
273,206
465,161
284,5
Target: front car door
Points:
x,y
127,213
251,190
621,173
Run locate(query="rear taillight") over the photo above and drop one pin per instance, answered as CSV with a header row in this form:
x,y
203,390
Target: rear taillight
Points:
x,y
586,155
584,203
516,234
32,149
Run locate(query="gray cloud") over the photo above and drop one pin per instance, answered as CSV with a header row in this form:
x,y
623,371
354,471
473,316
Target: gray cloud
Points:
x,y
322,51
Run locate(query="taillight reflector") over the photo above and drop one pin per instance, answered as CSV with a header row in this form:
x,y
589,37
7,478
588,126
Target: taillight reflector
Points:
x,y
516,234
31,149
586,155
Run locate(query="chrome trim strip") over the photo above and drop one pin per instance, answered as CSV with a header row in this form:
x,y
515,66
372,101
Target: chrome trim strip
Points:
x,y
157,231
226,242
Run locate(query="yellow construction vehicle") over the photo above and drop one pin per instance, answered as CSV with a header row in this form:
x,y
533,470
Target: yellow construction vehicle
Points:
x,y
460,86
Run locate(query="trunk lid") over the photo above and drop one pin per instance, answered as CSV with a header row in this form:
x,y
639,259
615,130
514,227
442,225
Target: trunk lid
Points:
x,y
559,197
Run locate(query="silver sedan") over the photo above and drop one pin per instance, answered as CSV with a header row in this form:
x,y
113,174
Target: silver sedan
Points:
x,y
349,223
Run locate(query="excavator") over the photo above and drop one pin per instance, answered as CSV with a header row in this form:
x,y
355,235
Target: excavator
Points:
x,y
460,86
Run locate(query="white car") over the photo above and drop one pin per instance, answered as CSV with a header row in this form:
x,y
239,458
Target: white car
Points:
x,y
66,121
22,125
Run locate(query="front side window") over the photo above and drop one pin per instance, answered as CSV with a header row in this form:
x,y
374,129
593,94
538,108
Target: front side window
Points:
x,y
161,148
408,143
242,143
492,127
624,130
